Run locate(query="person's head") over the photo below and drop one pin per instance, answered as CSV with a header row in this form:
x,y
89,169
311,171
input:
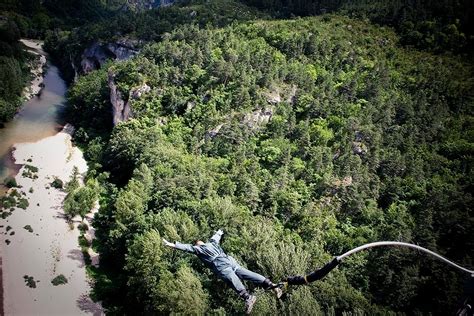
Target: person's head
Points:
x,y
198,242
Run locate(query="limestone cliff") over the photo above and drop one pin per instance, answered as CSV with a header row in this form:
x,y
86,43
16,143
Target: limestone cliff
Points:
x,y
97,54
121,108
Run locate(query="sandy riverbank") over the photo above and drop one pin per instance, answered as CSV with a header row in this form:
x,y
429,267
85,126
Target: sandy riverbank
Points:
x,y
51,248
36,68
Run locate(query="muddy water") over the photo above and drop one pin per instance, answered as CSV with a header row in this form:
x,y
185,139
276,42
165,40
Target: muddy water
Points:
x,y
37,119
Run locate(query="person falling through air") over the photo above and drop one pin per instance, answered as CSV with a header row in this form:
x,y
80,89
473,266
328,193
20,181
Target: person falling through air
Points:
x,y
225,267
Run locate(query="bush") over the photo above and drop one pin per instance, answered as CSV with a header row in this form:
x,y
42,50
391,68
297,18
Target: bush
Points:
x,y
8,201
83,242
30,281
10,182
57,183
60,279
83,227
23,203
30,172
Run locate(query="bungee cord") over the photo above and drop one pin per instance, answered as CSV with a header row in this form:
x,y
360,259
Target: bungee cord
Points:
x,y
322,272
465,310
404,244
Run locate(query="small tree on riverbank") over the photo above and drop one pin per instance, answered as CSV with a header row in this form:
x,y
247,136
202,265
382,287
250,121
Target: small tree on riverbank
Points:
x,y
73,183
80,201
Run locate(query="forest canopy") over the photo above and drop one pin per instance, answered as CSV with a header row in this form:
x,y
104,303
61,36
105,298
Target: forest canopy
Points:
x,y
300,138
302,129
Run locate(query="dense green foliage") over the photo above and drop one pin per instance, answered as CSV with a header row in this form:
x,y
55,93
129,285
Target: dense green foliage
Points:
x,y
301,139
35,17
426,24
67,46
81,199
59,280
13,69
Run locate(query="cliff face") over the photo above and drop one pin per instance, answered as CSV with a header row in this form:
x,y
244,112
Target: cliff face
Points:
x,y
97,54
121,109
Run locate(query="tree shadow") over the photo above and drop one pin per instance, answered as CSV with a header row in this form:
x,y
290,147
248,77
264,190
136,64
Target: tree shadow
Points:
x,y
85,304
77,255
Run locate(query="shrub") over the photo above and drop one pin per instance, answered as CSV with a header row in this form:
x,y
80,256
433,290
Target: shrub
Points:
x,y
30,172
23,203
10,182
83,227
30,281
60,279
83,242
57,183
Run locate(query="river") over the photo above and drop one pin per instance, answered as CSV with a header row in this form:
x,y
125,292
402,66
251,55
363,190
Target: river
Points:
x,y
38,118
37,243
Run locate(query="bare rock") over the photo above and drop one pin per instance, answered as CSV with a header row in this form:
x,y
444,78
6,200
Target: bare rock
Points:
x,y
215,131
121,109
292,95
273,97
96,55
258,118
359,148
345,182
137,92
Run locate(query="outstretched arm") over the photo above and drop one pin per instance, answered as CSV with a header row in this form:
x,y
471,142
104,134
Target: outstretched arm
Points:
x,y
180,246
217,236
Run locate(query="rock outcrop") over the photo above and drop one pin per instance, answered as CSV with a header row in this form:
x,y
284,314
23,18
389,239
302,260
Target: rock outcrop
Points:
x,y
215,131
276,95
358,146
96,55
121,109
257,118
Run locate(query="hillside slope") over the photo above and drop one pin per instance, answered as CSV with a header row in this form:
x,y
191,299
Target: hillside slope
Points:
x,y
301,139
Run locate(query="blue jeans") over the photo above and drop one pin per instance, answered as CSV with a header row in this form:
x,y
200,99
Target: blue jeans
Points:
x,y
234,276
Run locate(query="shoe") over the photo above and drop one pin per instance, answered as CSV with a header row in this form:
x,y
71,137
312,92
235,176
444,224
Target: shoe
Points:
x,y
278,292
249,302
